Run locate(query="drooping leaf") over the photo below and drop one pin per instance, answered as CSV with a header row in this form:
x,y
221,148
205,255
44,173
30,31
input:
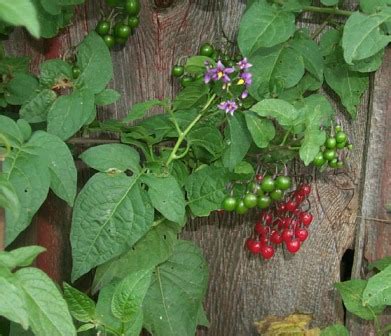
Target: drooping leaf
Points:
x,y
48,311
94,61
380,264
63,173
369,64
206,189
107,97
20,13
264,26
261,129
171,306
238,141
310,146
191,96
111,214
167,197
81,307
23,256
352,296
129,295
151,250
362,36
378,290
69,113
140,109
35,110
107,157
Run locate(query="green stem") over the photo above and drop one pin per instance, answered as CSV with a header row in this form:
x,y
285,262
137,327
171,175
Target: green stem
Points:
x,y
285,138
379,331
181,137
325,10
178,129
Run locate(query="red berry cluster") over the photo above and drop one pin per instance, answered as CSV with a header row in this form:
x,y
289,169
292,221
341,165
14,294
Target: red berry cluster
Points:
x,y
284,223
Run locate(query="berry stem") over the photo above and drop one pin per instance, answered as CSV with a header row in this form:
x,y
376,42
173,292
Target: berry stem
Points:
x,y
181,136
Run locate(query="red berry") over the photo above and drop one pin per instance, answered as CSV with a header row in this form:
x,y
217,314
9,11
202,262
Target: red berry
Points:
x,y
281,207
286,222
299,198
259,177
267,218
305,189
267,252
293,245
306,218
263,240
276,238
291,206
253,246
287,235
259,228
301,234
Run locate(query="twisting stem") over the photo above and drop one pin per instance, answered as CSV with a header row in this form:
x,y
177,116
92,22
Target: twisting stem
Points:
x,y
181,137
325,10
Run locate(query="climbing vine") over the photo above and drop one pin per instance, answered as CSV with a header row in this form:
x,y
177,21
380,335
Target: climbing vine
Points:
x,y
236,137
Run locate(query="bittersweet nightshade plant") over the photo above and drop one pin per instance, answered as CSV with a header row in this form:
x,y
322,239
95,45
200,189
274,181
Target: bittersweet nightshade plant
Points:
x,y
226,141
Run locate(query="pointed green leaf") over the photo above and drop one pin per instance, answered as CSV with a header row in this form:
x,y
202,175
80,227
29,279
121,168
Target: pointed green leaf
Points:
x,y
11,131
191,96
262,130
21,257
36,109
80,305
107,97
310,146
380,264
378,290
140,109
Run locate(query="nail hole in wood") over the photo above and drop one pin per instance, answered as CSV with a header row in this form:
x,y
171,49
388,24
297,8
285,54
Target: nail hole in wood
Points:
x,y
347,265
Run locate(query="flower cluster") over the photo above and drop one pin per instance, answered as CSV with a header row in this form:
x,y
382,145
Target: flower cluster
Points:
x,y
225,74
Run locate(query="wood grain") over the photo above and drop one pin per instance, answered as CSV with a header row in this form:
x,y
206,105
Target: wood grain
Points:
x,y
242,289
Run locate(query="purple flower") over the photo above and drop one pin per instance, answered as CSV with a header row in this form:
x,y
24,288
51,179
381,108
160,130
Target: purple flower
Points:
x,y
244,64
245,78
228,106
244,94
217,73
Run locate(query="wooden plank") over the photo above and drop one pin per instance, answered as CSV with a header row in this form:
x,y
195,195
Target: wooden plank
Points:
x,y
373,238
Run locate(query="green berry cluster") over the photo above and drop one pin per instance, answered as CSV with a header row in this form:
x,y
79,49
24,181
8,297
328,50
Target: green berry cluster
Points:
x,y
122,22
260,193
334,146
207,50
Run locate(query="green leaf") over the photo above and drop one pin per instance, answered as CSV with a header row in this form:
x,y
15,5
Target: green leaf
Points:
x,y
12,300
369,64
108,157
94,61
11,131
347,84
310,146
380,264
362,36
329,42
262,130
111,213
171,306
17,330
196,64
202,318
152,249
278,109
263,26
294,5
378,290
35,110
329,2
352,296
80,305
373,6
206,189
85,327
21,257
238,140
55,71
140,109
63,173
275,69
315,111
48,311
20,13
20,88
312,57
69,113
107,97
167,197
244,170
306,85
28,172
207,137
335,330
8,197
25,129
129,295
192,95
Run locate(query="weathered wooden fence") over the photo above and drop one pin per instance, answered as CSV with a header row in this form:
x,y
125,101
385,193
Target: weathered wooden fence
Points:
x,y
347,205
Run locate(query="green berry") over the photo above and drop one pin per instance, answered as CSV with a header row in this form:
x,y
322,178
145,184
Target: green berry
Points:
x,y
121,40
103,27
109,40
341,137
333,163
329,154
206,50
338,128
268,184
229,203
283,182
350,146
253,187
277,195
132,7
340,164
319,160
133,22
330,143
177,71
250,200
186,80
264,202
341,145
76,72
241,209
121,30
